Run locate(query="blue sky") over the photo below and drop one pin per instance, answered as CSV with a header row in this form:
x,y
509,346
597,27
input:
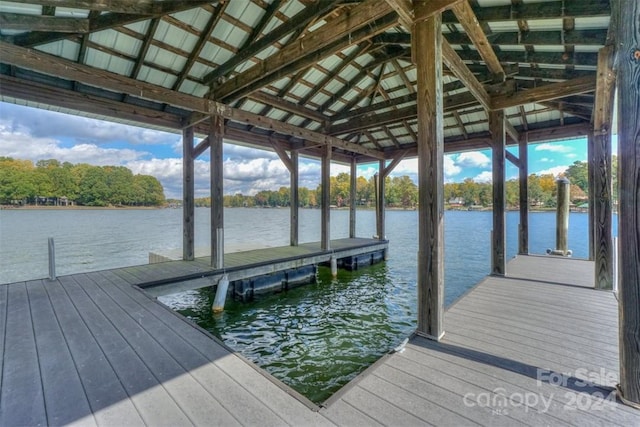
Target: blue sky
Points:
x,y
35,134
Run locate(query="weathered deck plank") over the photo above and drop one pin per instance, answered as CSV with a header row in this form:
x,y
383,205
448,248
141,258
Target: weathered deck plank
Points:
x,y
149,395
64,395
107,395
21,397
93,349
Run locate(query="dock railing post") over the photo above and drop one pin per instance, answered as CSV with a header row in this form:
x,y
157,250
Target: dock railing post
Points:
x,y
52,259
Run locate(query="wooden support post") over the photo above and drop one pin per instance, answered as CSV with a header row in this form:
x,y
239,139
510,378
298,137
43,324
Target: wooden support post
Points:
x,y
523,173
628,82
590,174
498,241
602,118
352,198
216,132
380,201
602,226
294,198
325,229
427,45
188,190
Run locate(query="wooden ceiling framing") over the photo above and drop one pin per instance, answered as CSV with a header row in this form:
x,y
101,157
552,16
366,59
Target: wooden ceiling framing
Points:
x,y
306,73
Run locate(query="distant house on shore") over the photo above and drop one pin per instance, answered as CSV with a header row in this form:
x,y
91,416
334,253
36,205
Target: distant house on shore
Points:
x,y
456,203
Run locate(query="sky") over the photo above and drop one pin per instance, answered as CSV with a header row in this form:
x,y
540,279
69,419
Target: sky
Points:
x,y
36,134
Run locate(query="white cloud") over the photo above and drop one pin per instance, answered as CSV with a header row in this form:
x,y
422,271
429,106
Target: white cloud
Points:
x,y
555,171
83,130
546,160
21,145
473,159
451,168
553,147
486,176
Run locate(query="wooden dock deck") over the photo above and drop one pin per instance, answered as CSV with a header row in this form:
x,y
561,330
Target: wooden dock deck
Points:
x,y
93,349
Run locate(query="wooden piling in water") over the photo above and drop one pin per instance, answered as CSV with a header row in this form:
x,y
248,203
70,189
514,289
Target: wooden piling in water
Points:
x,y
562,217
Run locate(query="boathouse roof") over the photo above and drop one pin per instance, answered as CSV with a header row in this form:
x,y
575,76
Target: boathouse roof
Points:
x,y
292,72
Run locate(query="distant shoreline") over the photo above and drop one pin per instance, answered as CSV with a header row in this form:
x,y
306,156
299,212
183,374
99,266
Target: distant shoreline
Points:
x,y
128,208
77,208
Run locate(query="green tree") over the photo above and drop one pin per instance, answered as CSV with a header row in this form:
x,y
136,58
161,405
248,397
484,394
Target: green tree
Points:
x,y
578,174
147,191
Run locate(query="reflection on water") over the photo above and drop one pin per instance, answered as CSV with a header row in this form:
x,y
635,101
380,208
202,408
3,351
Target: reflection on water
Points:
x,y
318,337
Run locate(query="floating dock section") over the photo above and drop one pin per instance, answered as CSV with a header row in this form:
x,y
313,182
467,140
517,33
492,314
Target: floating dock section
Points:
x,y
262,271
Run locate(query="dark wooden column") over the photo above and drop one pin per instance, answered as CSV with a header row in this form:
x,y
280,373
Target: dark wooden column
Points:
x,y
325,229
592,204
498,245
603,112
628,82
427,51
380,201
352,198
188,190
216,133
523,174
294,173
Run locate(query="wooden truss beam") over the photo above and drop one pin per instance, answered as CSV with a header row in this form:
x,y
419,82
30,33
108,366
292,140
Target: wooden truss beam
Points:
x,y
346,30
426,9
535,11
474,31
545,93
110,20
48,64
291,107
301,20
15,21
462,72
140,7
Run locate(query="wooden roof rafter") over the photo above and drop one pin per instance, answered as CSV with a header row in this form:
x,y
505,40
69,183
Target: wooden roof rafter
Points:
x,y
319,89
106,21
49,64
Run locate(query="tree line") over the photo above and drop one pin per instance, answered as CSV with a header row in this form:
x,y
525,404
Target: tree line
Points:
x,y
402,192
50,182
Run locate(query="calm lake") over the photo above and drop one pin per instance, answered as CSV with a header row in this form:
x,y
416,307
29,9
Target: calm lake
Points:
x,y
315,338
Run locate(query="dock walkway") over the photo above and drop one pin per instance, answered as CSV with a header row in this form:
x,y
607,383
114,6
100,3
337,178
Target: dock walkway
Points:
x,y
93,349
